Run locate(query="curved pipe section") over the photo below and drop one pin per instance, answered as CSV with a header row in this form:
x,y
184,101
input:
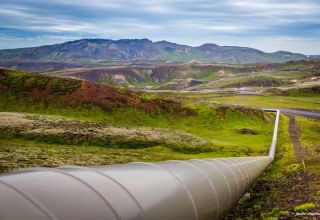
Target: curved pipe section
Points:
x,y
272,150
192,189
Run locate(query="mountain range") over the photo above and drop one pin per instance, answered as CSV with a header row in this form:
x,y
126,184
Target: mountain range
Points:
x,y
98,50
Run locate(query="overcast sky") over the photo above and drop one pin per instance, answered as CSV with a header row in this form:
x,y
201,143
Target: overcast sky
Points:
x,y
269,25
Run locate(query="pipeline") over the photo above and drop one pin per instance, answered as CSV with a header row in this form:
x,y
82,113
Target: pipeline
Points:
x,y
193,189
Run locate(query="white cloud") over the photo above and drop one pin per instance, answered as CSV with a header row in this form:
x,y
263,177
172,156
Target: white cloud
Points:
x,y
277,6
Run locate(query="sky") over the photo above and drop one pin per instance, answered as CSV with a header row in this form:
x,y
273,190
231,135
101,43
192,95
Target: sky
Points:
x,y
268,25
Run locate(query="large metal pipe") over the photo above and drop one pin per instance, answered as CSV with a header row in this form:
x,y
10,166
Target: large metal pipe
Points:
x,y
272,149
192,189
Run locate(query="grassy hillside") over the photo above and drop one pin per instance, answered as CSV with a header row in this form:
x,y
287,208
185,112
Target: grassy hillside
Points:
x,y
133,123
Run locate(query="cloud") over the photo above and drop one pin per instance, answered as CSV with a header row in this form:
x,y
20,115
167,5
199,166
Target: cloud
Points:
x,y
184,21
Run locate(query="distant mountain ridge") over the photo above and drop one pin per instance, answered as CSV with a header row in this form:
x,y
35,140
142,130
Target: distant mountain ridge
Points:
x,y
91,50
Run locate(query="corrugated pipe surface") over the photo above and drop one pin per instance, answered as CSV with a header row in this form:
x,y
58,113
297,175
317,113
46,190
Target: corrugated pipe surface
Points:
x,y
192,189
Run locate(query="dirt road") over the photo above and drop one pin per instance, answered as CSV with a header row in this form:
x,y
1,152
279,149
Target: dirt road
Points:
x,y
300,153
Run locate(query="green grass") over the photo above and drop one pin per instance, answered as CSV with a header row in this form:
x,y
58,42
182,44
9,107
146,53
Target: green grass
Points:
x,y
310,138
298,99
18,153
269,102
224,131
284,153
310,135
256,101
289,74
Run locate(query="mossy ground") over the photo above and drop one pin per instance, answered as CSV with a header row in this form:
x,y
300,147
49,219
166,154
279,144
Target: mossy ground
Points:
x,y
20,153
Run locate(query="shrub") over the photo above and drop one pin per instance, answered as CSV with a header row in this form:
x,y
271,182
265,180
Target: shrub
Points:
x,y
257,207
14,80
30,82
64,85
291,168
304,207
